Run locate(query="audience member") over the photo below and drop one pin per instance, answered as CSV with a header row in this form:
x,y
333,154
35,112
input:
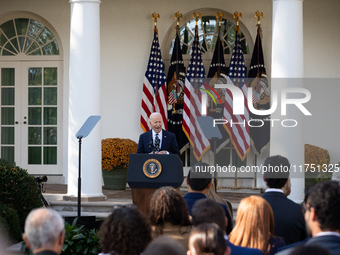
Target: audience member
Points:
x,y
125,232
44,232
213,195
309,250
207,238
168,215
209,211
199,180
164,245
289,221
254,226
322,217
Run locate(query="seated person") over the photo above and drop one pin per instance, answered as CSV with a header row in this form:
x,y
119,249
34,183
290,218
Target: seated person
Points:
x,y
207,238
168,215
254,226
199,183
125,232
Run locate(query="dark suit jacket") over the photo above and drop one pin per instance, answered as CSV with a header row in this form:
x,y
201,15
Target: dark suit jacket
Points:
x,y
191,197
289,220
329,242
169,142
239,250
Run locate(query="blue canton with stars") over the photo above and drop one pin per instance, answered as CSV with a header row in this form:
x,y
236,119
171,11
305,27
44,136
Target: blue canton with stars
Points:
x,y
155,69
237,68
196,69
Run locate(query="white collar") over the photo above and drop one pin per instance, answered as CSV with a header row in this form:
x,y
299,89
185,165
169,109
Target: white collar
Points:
x,y
274,190
327,233
160,134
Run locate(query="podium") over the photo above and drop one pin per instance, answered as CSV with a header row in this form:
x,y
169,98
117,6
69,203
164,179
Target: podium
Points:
x,y
148,172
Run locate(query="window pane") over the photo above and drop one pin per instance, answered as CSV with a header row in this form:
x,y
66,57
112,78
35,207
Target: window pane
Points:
x,y
7,96
28,43
45,36
9,47
34,155
3,39
14,41
34,135
33,47
223,157
7,115
50,135
50,96
7,153
8,29
34,96
21,25
7,76
209,23
51,49
36,52
7,135
50,155
34,76
21,42
7,53
50,76
34,115
50,115
34,28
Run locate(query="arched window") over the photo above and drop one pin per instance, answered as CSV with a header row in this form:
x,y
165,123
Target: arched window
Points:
x,y
28,36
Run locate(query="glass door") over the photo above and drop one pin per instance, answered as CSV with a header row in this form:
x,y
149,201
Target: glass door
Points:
x,y
41,117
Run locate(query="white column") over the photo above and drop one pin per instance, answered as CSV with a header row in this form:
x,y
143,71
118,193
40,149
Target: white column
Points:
x,y
84,97
287,62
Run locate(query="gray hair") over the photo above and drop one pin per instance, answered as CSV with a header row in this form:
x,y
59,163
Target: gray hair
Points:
x,y
43,227
154,114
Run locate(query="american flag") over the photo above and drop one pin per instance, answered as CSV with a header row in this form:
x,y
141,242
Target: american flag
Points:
x,y
192,101
239,133
154,97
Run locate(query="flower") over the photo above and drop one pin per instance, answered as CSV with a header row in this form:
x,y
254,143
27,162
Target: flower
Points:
x,y
116,152
317,157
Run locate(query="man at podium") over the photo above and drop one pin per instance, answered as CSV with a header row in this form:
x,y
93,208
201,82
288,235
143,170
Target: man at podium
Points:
x,y
157,140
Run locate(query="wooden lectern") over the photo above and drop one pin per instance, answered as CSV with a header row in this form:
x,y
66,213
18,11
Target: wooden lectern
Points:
x,y
148,172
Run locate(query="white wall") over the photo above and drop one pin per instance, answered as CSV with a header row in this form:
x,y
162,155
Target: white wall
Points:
x,y
126,35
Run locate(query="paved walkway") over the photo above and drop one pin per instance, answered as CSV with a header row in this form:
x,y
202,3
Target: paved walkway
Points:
x,y
232,195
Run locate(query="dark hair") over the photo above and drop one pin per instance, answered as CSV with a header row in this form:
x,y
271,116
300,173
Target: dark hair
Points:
x,y
199,180
309,250
164,245
167,205
324,197
207,238
126,231
208,211
276,171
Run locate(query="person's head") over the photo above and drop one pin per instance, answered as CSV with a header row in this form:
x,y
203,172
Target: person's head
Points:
x,y
208,211
156,121
199,177
167,206
164,245
44,230
254,224
207,238
309,250
126,231
323,207
276,171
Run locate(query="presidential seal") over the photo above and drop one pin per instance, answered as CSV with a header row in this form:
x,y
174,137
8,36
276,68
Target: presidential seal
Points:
x,y
152,168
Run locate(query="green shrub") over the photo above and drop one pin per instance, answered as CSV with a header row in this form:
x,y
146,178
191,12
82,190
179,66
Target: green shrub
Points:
x,y
10,221
18,190
78,241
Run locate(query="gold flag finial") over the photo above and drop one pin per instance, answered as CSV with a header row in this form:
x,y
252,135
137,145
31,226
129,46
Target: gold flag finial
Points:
x,y
219,16
155,16
258,15
196,15
237,15
178,16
